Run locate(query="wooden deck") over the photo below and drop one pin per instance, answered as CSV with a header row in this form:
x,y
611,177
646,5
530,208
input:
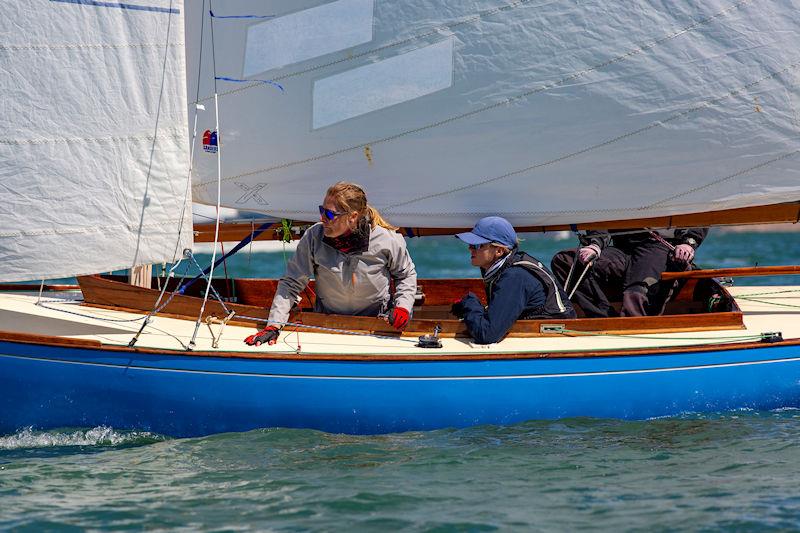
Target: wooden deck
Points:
x,y
64,317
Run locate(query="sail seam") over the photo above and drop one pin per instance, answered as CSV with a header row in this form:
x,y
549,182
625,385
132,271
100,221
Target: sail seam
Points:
x,y
80,231
123,6
682,114
17,48
432,33
571,77
103,140
610,210
722,180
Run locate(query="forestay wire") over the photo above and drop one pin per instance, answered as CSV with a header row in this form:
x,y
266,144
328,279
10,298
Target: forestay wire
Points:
x,y
219,186
187,191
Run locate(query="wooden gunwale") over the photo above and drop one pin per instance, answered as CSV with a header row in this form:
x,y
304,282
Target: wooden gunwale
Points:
x,y
28,287
89,344
111,294
732,272
763,214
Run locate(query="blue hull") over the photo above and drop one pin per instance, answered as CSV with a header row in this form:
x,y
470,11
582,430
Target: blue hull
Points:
x,y
179,395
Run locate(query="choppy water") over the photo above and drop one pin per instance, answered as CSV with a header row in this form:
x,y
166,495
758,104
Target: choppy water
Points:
x,y
735,471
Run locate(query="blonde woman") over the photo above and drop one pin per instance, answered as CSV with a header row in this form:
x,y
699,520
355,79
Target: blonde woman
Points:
x,y
353,254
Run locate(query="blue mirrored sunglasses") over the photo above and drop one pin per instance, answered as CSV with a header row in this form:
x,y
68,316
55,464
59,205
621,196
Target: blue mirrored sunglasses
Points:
x,y
327,213
476,247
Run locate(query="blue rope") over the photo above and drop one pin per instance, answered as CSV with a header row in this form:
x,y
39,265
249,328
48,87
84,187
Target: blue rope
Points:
x,y
237,80
241,16
244,242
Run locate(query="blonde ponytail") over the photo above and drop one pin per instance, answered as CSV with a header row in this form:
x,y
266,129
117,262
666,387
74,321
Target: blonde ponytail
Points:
x,y
350,197
376,218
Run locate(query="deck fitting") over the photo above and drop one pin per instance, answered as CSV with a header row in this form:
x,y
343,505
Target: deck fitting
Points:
x,y
771,337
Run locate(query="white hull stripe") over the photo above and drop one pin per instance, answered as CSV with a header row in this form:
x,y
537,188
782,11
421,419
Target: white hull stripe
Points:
x,y
413,378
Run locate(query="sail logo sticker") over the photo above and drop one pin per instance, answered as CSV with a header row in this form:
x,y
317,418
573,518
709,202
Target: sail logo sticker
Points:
x,y
252,193
210,142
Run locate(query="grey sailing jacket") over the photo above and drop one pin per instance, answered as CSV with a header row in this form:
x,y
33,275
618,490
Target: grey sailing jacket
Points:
x,y
347,284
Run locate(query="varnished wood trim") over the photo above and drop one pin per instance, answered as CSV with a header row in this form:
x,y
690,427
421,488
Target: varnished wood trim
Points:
x,y
766,214
236,231
29,287
48,340
113,294
771,214
733,272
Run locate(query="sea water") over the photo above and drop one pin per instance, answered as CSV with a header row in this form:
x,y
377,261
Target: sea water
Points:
x,y
728,471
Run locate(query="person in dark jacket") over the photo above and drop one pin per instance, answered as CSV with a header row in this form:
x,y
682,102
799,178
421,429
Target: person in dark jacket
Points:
x,y
517,284
627,264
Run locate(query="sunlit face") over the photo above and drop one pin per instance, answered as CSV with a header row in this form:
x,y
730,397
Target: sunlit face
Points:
x,y
485,255
341,224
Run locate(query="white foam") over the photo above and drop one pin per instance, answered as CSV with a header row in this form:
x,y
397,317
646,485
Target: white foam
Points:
x,y
99,436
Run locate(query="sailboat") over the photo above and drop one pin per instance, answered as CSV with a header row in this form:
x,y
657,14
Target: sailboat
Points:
x,y
555,115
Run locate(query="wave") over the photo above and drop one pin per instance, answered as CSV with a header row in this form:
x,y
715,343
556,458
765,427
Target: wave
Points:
x,y
98,436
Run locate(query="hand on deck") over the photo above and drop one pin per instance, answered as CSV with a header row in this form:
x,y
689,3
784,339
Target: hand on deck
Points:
x,y
268,335
457,309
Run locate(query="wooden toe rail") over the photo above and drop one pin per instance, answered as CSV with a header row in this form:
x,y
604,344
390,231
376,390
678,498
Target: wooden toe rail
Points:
x,y
117,295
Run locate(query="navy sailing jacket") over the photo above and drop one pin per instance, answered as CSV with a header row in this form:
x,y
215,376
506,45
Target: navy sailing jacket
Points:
x,y
523,288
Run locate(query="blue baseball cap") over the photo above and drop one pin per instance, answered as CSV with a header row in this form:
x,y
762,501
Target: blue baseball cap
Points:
x,y
491,229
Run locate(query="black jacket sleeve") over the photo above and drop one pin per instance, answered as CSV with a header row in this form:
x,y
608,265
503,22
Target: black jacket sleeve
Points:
x,y
598,237
696,234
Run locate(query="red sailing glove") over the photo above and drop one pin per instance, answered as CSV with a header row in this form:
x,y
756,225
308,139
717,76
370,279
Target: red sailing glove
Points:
x,y
588,253
398,318
684,254
268,335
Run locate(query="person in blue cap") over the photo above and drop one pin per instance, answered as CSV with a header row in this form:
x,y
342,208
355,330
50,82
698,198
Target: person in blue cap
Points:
x,y
518,286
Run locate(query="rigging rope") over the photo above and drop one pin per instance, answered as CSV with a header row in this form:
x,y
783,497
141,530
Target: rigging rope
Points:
x,y
219,188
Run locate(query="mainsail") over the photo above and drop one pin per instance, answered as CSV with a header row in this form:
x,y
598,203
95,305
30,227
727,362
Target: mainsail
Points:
x,y
544,112
94,155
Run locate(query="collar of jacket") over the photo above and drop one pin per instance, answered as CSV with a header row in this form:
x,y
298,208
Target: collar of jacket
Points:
x,y
354,242
493,272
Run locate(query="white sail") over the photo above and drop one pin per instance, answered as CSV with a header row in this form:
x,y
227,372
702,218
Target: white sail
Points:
x,y
545,112
94,150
